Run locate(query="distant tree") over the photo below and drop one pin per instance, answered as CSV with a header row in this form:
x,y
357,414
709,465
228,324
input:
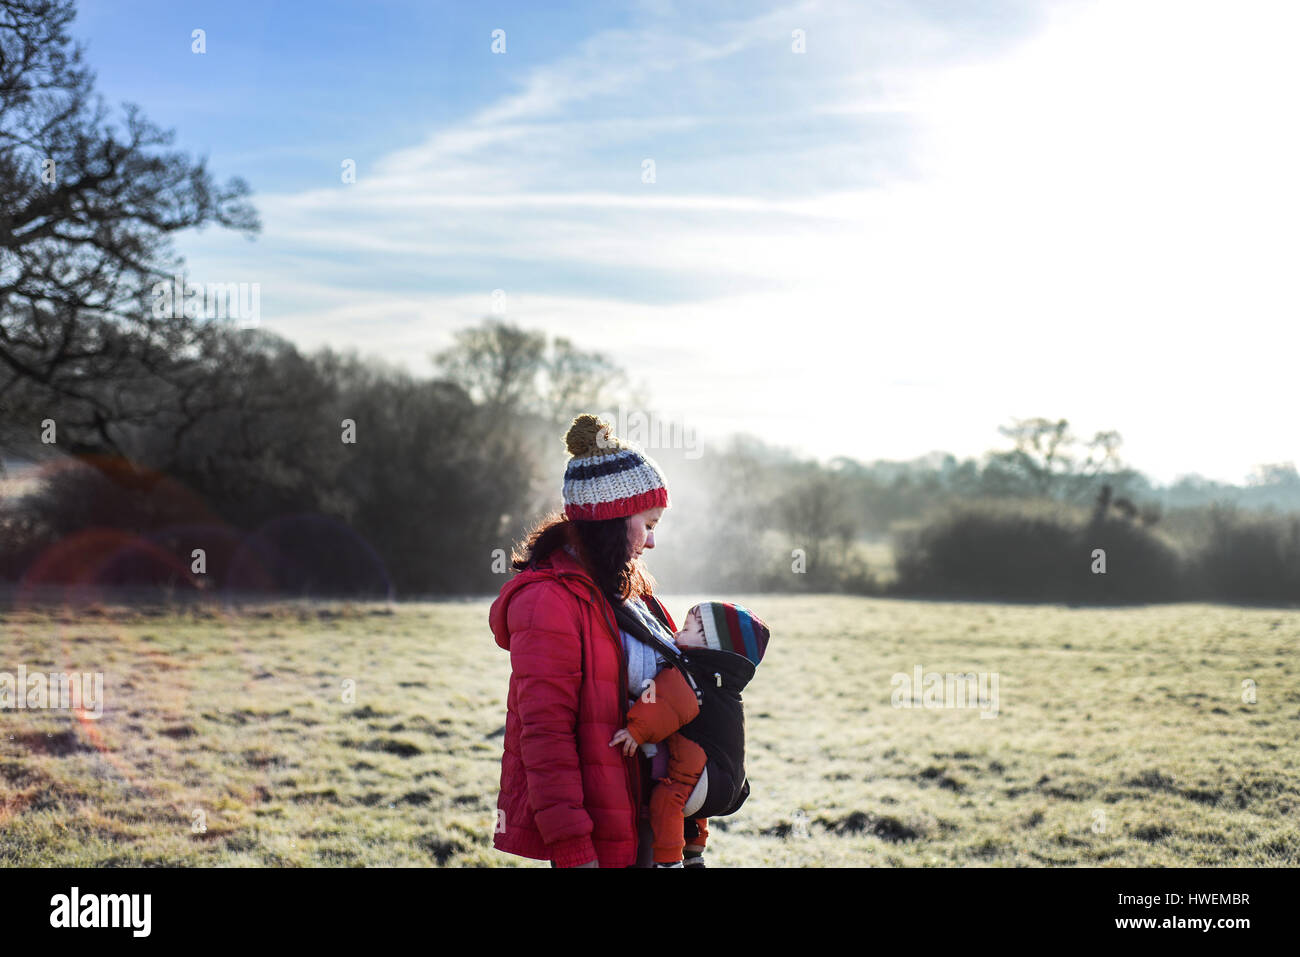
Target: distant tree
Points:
x,y
1196,490
1041,451
1280,474
1049,460
1103,453
813,510
576,381
512,371
497,364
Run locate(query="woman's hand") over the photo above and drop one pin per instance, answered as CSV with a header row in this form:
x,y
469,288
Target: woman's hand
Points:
x,y
629,742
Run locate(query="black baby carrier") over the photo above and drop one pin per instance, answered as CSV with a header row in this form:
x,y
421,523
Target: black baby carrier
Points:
x,y
717,678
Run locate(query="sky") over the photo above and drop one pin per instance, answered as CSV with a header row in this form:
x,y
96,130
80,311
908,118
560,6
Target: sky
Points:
x,y
934,219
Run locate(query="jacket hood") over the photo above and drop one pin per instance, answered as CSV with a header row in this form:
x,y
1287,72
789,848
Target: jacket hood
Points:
x,y
559,567
736,670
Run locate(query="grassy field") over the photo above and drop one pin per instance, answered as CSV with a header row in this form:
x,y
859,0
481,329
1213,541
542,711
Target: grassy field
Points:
x,y
1121,738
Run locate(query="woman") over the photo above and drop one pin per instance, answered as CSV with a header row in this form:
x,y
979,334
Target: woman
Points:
x,y
566,795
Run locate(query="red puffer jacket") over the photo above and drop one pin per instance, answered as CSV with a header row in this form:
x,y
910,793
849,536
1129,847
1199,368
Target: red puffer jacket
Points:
x,y
566,795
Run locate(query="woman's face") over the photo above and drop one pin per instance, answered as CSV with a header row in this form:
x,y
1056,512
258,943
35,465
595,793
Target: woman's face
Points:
x,y
641,530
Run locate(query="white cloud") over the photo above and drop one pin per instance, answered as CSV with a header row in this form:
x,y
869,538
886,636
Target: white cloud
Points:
x,y
1102,227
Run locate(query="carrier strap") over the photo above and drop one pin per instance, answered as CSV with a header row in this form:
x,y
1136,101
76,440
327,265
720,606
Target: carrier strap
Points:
x,y
637,629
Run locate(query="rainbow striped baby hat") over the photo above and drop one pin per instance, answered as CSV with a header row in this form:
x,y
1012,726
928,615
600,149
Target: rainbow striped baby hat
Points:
x,y
606,478
730,627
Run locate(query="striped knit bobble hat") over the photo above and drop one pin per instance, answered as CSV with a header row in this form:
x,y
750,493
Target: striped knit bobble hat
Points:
x,y
607,478
733,628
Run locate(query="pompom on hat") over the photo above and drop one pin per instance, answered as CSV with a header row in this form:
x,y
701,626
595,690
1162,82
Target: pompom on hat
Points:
x,y
607,478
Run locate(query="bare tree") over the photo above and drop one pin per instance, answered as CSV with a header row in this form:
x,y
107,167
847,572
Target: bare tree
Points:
x,y
497,364
815,513
1103,453
1040,454
85,233
576,381
514,372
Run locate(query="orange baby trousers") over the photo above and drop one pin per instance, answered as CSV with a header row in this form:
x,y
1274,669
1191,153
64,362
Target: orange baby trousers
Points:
x,y
663,708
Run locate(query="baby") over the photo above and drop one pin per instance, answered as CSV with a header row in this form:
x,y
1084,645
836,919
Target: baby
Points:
x,y
669,705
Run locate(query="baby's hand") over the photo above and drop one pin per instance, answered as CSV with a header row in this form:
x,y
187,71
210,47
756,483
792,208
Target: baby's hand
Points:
x,y
629,742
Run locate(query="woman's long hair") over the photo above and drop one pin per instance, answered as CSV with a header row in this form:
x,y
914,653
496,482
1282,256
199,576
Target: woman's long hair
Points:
x,y
602,550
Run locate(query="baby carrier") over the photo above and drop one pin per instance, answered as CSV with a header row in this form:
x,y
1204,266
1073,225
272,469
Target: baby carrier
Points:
x,y
717,678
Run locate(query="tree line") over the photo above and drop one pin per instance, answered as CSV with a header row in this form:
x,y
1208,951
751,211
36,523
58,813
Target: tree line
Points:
x,y
180,450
